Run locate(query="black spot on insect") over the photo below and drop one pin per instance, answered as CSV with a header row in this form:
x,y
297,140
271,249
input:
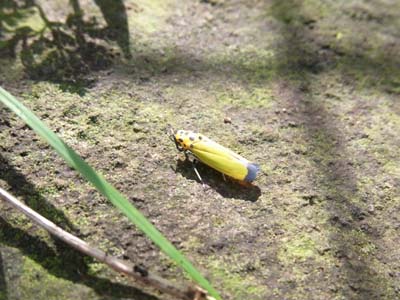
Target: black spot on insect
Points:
x,y
200,137
191,145
180,140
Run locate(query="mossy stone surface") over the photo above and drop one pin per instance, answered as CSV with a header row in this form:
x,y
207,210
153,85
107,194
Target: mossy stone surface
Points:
x,y
311,92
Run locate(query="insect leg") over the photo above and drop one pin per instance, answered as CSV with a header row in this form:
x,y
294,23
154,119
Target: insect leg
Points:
x,y
197,172
194,163
187,155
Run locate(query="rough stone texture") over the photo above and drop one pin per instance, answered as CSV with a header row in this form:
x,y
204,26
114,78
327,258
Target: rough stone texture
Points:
x,y
312,92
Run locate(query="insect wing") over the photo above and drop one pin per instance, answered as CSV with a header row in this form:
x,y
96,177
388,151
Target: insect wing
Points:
x,y
221,159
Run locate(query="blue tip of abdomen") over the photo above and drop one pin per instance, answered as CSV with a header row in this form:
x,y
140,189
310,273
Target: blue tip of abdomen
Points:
x,y
252,170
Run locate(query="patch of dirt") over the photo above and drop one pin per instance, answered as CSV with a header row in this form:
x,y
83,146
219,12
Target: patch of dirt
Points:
x,y
311,90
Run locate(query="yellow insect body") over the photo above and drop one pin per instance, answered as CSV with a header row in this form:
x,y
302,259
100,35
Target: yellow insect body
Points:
x,y
216,156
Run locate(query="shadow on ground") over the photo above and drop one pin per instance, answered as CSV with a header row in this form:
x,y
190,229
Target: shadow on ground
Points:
x,y
301,58
215,181
63,52
21,187
60,260
65,262
336,180
377,68
3,284
67,52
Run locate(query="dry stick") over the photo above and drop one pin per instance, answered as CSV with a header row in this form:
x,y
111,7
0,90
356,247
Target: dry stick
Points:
x,y
137,272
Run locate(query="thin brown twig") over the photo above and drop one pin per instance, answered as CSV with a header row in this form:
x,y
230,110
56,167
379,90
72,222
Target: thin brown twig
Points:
x,y
135,271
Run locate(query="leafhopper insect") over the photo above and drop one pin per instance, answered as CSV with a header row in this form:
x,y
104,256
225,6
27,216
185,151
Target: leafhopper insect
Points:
x,y
215,155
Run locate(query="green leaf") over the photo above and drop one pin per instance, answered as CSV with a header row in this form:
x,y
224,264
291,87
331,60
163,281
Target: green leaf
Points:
x,y
75,161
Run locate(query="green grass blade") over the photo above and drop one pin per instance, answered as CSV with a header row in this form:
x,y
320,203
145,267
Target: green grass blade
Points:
x,y
75,161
